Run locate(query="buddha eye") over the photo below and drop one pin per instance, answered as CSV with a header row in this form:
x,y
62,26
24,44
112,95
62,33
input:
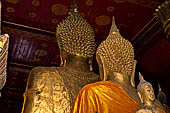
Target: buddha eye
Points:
x,y
148,90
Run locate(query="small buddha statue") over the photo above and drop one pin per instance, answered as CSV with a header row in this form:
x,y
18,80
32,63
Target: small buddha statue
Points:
x,y
4,42
146,94
54,89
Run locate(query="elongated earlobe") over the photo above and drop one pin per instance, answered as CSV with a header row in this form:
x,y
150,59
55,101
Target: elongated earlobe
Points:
x,y
140,96
91,63
100,64
104,69
132,78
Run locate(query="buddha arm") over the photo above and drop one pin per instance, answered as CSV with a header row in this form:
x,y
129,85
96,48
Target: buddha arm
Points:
x,y
45,92
4,41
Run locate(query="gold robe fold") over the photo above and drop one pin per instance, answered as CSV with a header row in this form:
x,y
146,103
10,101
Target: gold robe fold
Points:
x,y
104,97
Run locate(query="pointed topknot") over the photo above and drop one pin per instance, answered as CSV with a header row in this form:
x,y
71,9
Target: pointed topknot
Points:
x,y
113,27
74,6
140,77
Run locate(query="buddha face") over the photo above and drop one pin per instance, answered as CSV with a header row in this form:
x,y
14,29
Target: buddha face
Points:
x,y
148,93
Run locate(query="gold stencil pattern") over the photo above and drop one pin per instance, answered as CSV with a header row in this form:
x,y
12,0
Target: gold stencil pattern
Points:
x,y
59,9
110,8
103,20
13,1
35,3
89,2
10,9
32,14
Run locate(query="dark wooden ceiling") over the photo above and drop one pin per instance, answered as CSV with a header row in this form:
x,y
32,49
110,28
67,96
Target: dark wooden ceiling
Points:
x,y
33,42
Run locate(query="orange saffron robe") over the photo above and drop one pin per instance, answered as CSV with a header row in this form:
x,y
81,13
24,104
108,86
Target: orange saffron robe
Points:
x,y
104,97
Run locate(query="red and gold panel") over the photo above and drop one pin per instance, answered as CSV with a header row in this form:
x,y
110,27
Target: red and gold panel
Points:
x,y
131,15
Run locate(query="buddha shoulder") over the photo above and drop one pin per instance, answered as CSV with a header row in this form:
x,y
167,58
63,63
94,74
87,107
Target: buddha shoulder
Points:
x,y
42,75
40,71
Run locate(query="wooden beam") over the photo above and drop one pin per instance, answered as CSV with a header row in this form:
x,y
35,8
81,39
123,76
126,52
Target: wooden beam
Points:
x,y
28,28
147,36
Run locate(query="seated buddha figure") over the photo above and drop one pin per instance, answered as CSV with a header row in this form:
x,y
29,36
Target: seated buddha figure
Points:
x,y
146,94
4,41
54,89
116,93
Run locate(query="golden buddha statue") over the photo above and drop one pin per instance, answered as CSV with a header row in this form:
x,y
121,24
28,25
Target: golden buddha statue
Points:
x,y
116,93
54,89
146,94
4,41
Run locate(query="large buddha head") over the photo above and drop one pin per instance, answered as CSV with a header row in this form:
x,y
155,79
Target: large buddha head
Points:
x,y
115,54
75,37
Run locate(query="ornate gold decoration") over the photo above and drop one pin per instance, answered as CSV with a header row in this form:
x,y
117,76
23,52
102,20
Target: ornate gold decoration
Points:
x,y
32,14
89,2
35,2
103,20
40,52
76,36
10,9
59,9
13,1
54,21
110,8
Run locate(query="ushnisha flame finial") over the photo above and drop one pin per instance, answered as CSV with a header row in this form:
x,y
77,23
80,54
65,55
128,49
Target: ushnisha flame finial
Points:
x,y
113,27
74,6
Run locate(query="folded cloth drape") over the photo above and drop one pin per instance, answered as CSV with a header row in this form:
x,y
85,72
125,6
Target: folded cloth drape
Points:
x,y
104,97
